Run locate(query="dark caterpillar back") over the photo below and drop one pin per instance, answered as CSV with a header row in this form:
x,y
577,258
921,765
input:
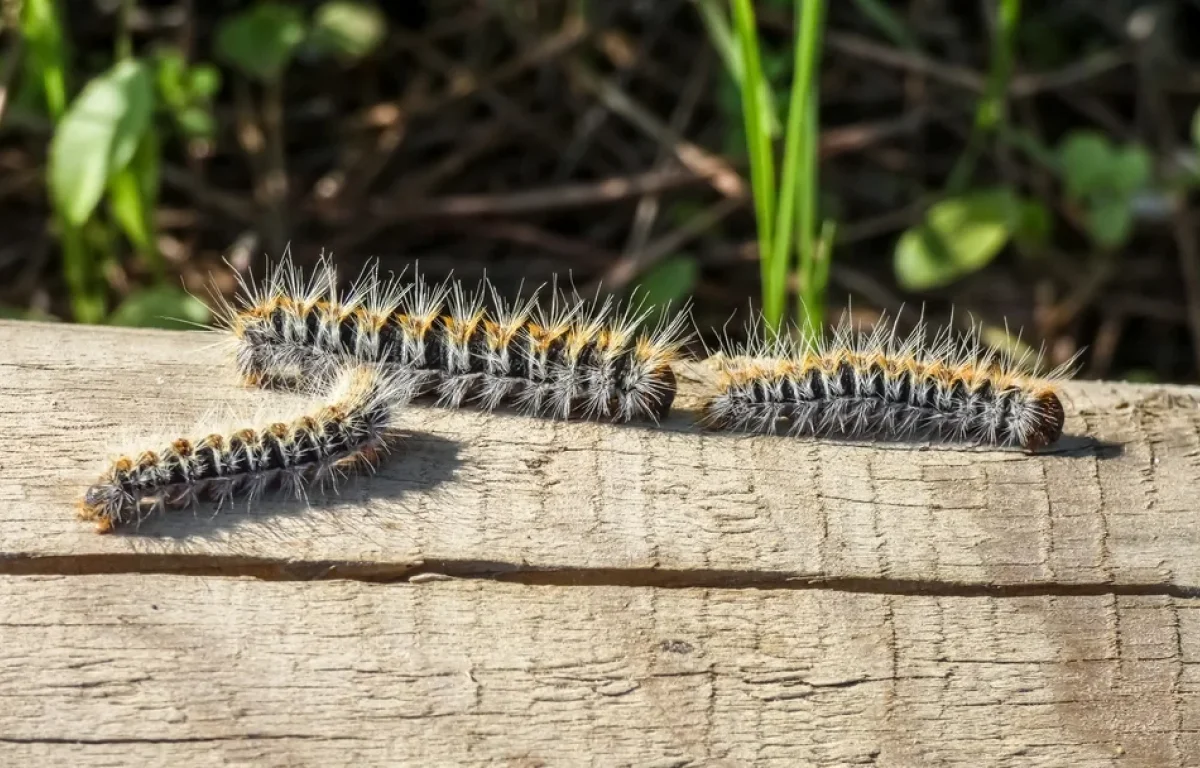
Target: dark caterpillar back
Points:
x,y
572,359
871,385
311,451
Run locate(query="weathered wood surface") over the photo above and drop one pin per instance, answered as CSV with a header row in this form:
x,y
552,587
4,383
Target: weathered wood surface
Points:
x,y
913,606
171,670
480,493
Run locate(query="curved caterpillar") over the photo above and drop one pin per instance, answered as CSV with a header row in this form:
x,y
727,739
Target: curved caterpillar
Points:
x,y
869,383
562,358
349,432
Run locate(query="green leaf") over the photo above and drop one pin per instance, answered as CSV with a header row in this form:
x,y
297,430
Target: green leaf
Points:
x,y
260,41
47,56
1110,222
169,73
204,81
187,92
133,195
349,30
197,123
98,136
1084,159
160,307
1130,168
146,166
1196,128
958,236
668,281
137,86
128,208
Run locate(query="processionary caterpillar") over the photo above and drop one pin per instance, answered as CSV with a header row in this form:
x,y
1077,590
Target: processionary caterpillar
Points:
x,y
873,384
348,432
560,358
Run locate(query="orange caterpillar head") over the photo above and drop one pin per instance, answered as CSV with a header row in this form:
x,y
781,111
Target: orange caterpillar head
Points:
x,y
104,501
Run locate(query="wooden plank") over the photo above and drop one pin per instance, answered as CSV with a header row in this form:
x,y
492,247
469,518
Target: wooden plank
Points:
x,y
167,670
482,493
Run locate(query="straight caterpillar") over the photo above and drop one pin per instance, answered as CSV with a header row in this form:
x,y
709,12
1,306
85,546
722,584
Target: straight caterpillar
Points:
x,y
349,432
872,384
561,358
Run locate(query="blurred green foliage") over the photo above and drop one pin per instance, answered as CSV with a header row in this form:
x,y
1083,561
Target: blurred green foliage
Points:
x,y
261,40
108,134
112,122
1104,180
161,306
347,31
667,283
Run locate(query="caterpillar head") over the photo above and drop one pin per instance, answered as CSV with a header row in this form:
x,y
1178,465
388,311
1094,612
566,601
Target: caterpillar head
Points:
x,y
106,502
1048,426
651,393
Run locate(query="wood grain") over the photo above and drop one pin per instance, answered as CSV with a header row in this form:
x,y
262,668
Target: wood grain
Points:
x,y
911,606
170,670
1114,506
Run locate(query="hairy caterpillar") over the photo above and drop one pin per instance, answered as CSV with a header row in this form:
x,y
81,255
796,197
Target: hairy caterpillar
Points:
x,y
559,358
872,384
346,433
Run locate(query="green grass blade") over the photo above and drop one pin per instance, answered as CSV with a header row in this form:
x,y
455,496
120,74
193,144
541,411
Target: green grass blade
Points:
x,y
791,185
43,32
989,113
717,26
810,15
716,23
758,140
87,300
811,295
812,309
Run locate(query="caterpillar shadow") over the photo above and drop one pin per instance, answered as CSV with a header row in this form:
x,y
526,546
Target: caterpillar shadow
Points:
x,y
1069,445
418,464
1083,447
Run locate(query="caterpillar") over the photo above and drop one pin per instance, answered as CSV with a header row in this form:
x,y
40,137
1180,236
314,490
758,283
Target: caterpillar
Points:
x,y
350,431
870,383
560,357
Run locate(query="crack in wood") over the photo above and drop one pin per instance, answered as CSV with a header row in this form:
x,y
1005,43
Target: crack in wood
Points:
x,y
268,569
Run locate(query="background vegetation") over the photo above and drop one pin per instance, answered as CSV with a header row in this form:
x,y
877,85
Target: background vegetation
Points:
x,y
1028,163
